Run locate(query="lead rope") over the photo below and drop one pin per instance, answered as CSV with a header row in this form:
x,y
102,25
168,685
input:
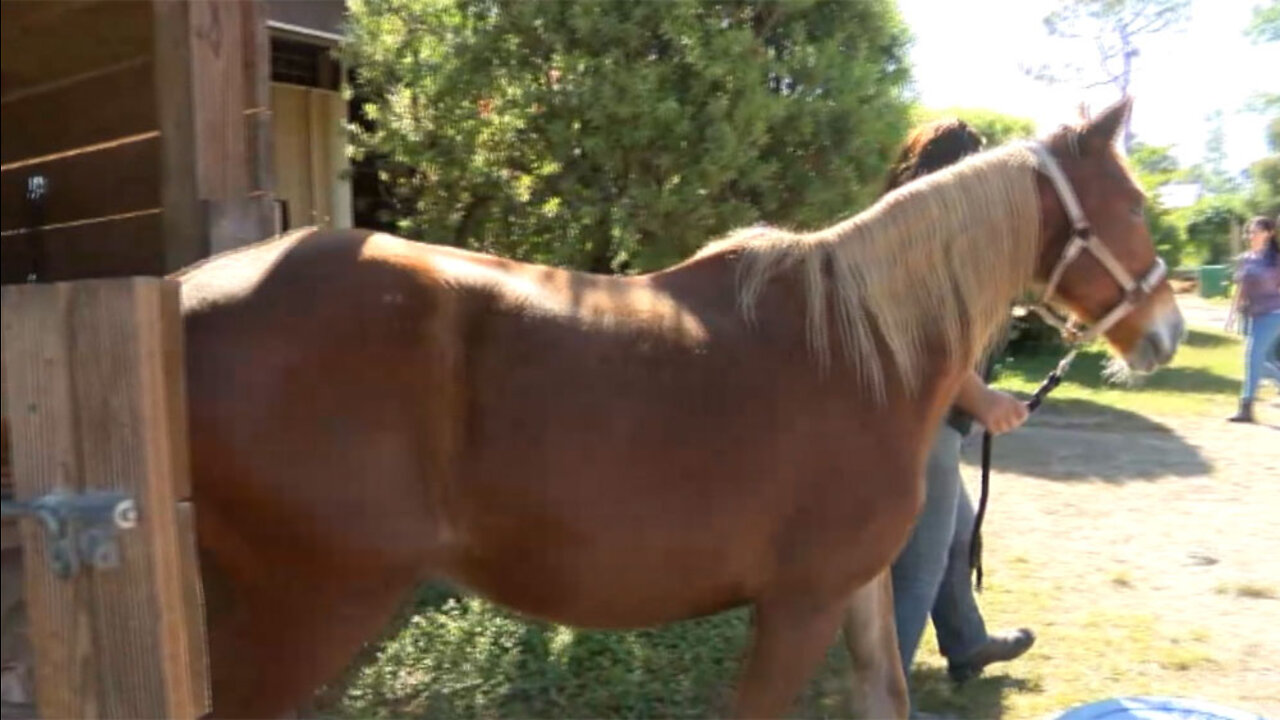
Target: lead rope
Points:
x,y
975,541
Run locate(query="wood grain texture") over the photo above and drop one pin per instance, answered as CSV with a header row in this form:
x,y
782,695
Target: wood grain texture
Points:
x,y
185,233
114,180
50,41
95,369
257,97
128,245
218,79
117,102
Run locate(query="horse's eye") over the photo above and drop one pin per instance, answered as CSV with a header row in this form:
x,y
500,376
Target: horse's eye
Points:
x,y
1139,210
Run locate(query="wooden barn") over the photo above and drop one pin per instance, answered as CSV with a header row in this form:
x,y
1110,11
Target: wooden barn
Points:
x,y
142,135
139,136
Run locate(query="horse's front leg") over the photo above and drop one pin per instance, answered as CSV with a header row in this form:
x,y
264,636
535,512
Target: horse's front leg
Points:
x,y
791,636
880,689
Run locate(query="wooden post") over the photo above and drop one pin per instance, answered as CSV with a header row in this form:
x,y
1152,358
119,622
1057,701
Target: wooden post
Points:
x,y
208,55
94,380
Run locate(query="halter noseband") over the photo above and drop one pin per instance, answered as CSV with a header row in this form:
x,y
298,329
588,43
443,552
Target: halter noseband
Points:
x,y
1083,238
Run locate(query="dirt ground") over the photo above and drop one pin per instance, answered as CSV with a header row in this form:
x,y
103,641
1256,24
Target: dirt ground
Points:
x,y
1173,521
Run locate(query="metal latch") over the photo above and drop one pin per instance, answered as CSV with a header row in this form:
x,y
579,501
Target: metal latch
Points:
x,y
81,528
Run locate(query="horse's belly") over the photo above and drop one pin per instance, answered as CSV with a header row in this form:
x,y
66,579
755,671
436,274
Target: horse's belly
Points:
x,y
606,586
622,553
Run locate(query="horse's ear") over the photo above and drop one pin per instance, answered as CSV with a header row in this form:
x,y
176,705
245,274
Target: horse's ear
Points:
x,y
1103,129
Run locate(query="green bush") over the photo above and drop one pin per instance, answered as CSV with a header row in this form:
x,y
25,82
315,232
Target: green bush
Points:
x,y
622,135
1209,224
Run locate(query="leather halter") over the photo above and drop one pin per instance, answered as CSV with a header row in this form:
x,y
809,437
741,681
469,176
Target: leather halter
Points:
x,y
1084,239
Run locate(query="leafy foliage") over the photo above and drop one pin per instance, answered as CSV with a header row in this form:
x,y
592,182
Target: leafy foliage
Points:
x,y
1265,198
622,135
1264,175
1209,225
1156,166
1265,25
461,657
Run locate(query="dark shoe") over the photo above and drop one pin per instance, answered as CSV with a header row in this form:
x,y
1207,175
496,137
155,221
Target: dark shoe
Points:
x,y
997,648
1244,414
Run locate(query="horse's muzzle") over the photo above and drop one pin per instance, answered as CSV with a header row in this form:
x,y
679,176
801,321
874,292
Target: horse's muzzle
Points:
x,y
1160,342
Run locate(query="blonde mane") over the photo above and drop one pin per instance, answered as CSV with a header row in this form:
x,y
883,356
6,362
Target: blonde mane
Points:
x,y
941,257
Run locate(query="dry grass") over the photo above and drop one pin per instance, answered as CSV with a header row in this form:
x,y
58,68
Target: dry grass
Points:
x,y
1250,590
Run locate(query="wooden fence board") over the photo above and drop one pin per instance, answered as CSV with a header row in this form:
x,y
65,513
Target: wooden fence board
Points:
x,y
94,368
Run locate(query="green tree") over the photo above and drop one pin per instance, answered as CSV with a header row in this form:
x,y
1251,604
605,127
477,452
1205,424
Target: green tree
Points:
x,y
621,135
1209,225
1265,26
1212,173
1264,176
1113,30
1155,166
997,128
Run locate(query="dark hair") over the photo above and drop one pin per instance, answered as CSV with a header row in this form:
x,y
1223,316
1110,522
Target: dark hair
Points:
x,y
1270,255
931,147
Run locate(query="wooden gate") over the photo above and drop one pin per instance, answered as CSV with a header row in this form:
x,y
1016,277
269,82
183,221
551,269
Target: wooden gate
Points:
x,y
93,376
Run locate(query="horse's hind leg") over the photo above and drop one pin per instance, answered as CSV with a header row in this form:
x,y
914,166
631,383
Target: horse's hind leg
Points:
x,y
880,689
790,638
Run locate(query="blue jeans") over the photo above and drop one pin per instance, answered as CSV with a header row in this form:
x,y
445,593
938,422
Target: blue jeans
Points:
x,y
931,574
1259,349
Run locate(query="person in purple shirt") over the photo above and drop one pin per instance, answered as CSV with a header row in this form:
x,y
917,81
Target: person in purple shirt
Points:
x,y
1258,299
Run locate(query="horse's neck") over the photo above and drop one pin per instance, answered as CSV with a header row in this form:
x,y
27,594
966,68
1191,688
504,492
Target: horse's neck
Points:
x,y
934,270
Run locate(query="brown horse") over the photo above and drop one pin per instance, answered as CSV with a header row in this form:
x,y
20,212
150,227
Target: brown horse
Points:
x,y
748,427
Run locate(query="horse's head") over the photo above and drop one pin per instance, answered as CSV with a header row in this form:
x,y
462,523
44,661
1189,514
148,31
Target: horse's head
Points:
x,y
1098,260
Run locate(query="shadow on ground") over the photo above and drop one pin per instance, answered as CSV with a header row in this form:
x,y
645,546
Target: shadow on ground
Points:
x,y
1083,440
981,697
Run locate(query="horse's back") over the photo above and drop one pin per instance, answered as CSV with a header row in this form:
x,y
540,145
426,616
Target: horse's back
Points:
x,y
320,367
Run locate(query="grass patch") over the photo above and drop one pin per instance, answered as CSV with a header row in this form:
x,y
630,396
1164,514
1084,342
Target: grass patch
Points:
x,y
1249,590
1204,378
465,658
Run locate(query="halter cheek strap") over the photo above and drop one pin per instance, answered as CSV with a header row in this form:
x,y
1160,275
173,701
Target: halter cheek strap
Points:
x,y
1083,239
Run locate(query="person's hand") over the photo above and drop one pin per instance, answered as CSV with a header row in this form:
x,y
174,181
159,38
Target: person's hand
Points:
x,y
1001,412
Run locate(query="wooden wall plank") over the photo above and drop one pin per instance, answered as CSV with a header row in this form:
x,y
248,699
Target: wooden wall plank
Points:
x,y
117,103
217,62
65,39
125,246
201,57
95,365
186,237
159,371
194,607
257,100
114,180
